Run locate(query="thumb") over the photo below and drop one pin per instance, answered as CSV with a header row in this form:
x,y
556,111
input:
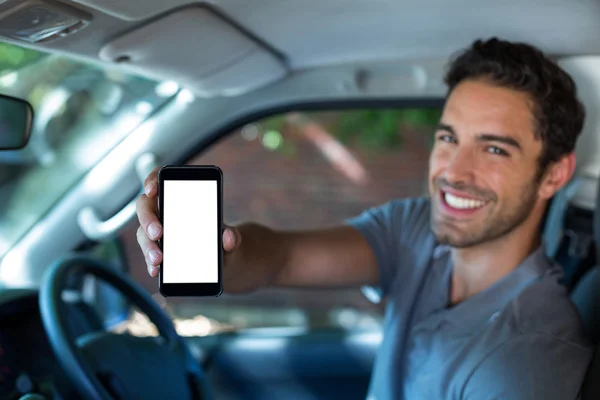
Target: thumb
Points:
x,y
232,238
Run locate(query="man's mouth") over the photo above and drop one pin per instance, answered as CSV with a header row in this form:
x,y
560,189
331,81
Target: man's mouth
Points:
x,y
458,206
462,203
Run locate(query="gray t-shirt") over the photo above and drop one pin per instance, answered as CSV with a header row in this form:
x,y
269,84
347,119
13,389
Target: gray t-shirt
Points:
x,y
519,339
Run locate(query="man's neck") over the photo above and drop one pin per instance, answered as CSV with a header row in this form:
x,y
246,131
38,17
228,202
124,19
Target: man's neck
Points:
x,y
477,268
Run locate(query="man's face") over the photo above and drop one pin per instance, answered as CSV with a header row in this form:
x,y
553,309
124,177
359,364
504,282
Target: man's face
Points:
x,y
483,167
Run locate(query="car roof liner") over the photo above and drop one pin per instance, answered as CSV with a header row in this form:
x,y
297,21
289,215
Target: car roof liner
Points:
x,y
181,46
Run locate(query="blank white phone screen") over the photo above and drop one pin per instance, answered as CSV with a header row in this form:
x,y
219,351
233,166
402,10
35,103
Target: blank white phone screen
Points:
x,y
190,238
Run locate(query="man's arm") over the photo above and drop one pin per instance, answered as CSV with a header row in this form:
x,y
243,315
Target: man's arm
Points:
x,y
333,257
256,256
358,253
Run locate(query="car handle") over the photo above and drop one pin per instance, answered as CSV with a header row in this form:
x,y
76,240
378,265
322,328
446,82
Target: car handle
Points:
x,y
95,228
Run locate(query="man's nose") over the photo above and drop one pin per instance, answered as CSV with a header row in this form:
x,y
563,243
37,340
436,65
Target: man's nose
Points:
x,y
461,167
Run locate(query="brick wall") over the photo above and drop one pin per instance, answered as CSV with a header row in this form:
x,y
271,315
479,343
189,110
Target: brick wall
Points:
x,y
303,190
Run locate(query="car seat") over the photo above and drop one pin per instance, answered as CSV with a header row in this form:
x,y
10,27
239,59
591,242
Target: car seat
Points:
x,y
586,296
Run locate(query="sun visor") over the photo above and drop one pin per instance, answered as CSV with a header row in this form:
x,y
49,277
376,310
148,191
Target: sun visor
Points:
x,y
134,10
199,50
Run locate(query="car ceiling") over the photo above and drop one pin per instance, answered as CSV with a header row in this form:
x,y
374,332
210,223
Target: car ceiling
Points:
x,y
313,33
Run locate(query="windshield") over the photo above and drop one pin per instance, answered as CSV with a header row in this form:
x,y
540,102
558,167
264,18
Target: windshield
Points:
x,y
82,111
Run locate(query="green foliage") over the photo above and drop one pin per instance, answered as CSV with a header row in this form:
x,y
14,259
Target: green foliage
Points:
x,y
274,123
368,128
421,118
13,57
376,129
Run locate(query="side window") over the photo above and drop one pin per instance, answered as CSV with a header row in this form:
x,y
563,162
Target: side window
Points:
x,y
299,171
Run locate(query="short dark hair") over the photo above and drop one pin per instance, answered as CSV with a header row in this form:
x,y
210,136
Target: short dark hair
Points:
x,y
558,114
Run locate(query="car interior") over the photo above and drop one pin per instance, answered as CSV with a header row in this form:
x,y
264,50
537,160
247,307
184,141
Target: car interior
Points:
x,y
98,93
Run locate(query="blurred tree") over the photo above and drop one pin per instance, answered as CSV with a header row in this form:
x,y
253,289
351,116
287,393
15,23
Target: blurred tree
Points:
x,y
369,128
274,123
376,129
14,57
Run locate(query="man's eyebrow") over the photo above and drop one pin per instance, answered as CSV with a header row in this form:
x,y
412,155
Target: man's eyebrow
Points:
x,y
489,137
484,137
445,127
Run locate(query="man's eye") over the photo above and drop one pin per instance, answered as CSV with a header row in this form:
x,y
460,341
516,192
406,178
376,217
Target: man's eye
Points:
x,y
447,138
497,150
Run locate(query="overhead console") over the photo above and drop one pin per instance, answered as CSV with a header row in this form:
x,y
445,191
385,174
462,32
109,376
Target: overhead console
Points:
x,y
198,49
39,21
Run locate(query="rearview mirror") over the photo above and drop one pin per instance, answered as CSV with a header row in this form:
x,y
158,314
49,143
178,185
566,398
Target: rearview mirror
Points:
x,y
16,117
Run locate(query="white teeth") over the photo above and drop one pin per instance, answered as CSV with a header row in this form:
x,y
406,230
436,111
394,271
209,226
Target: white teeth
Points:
x,y
462,203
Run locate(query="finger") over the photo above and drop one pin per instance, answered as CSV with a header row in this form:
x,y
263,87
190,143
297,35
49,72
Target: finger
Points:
x,y
232,238
152,270
147,212
151,251
151,183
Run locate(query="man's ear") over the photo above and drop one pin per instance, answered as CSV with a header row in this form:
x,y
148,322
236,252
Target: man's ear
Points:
x,y
557,176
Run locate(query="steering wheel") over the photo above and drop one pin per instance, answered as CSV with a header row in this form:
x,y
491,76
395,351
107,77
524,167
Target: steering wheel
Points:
x,y
105,365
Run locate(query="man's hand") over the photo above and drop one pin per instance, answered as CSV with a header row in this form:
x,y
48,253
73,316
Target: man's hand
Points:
x,y
150,230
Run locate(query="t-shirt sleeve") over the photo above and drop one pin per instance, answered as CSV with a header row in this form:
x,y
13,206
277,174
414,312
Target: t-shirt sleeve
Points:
x,y
532,367
390,228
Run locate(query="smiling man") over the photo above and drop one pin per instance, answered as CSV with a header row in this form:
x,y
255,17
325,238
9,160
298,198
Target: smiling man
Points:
x,y
475,310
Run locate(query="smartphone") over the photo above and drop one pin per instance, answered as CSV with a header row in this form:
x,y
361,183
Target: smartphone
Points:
x,y
190,208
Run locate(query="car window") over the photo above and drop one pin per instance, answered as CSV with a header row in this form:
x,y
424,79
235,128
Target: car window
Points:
x,y
297,171
82,111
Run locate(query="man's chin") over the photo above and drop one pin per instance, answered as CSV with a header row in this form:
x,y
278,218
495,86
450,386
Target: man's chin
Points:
x,y
446,240
454,239
457,244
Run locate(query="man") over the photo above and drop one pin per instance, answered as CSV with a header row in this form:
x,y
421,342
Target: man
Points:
x,y
475,310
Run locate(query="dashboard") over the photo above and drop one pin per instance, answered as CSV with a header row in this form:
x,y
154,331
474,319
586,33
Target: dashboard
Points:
x,y
27,362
